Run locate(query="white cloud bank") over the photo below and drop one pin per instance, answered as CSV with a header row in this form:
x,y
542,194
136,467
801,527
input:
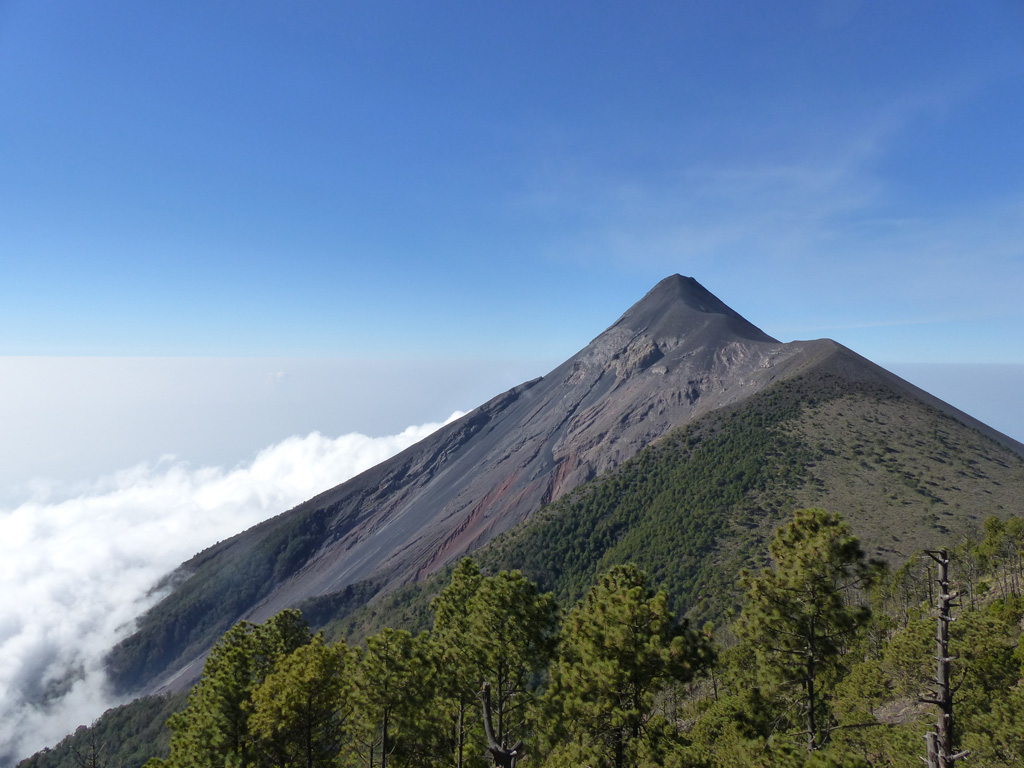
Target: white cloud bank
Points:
x,y
75,574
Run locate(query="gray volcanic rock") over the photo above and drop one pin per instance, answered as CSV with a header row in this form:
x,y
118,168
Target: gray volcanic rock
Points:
x,y
676,355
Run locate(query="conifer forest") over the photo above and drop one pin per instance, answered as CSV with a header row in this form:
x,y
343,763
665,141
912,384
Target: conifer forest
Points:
x,y
832,659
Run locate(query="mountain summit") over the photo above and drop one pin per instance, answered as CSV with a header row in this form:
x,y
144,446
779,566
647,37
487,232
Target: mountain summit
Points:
x,y
677,355
678,307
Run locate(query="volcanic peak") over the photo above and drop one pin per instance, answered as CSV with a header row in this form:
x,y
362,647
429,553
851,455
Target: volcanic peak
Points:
x,y
677,355
680,307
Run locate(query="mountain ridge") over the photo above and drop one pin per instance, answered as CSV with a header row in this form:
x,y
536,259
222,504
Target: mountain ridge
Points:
x,y
677,355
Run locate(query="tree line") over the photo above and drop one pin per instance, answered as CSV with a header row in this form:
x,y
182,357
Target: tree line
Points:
x,y
495,680
825,664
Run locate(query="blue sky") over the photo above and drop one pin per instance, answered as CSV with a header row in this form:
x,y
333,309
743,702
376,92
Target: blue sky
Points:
x,y
494,183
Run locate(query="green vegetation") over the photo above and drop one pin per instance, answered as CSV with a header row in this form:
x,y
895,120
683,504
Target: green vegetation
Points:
x,y
124,736
799,617
908,476
690,512
824,666
214,728
620,649
301,711
698,506
206,600
497,629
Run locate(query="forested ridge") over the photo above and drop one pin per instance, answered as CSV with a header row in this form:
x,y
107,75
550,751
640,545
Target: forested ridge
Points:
x,y
727,479
700,504
825,664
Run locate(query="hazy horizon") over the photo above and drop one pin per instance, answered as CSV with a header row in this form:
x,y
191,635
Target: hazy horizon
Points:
x,y
222,411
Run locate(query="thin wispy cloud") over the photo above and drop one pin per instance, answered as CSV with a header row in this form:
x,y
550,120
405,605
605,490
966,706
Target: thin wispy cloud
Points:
x,y
779,188
828,220
74,575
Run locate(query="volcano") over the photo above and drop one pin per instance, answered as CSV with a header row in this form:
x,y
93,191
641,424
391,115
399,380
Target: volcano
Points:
x,y
676,356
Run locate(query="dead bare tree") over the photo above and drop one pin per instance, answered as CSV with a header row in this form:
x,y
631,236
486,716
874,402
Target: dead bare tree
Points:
x,y
91,755
941,750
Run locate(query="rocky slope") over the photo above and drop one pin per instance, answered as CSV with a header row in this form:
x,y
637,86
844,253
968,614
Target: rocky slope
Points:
x,y
676,355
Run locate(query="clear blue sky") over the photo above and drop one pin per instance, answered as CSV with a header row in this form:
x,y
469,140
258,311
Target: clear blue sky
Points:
x,y
500,180
480,178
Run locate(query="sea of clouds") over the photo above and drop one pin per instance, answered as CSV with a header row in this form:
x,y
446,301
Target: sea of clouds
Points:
x,y
75,573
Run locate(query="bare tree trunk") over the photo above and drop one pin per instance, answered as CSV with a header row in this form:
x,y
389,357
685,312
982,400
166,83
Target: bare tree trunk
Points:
x,y
91,759
941,751
503,756
459,735
812,730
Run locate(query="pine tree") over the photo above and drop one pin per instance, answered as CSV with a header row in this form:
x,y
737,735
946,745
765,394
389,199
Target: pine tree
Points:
x,y
394,721
620,647
213,729
509,640
458,681
497,630
300,712
802,613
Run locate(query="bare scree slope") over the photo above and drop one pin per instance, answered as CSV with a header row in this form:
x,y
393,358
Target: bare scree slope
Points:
x,y
675,356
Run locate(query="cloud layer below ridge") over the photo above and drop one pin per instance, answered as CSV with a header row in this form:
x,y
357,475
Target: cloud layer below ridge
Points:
x,y
74,574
